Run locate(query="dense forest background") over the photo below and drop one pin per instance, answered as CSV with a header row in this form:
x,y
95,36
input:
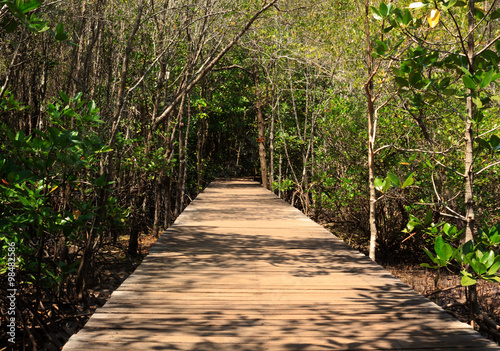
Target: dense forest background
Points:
x,y
378,120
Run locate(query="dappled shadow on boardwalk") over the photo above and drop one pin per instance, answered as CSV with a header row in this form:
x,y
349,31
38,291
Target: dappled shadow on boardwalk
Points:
x,y
200,249
260,276
200,307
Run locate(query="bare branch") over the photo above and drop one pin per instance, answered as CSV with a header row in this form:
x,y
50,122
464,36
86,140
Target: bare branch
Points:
x,y
459,216
489,166
209,66
451,169
489,131
231,67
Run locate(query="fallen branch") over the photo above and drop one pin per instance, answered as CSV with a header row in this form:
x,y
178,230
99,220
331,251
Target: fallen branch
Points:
x,y
489,322
442,290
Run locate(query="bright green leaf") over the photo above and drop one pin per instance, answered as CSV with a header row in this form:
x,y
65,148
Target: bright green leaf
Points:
x,y
408,181
467,279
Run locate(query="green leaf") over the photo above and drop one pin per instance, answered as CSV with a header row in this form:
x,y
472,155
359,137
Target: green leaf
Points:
x,y
383,10
443,250
444,83
429,266
379,184
448,4
414,224
376,14
495,266
467,279
494,141
488,77
408,181
478,102
402,82
449,92
64,97
393,179
388,29
478,117
488,258
390,9
386,185
468,247
483,143
60,34
431,256
469,83
381,48
415,79
478,266
428,218
495,14
30,5
491,278
77,97
478,13
490,56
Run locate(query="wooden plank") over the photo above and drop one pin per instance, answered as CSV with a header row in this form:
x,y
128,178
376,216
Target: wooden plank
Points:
x,y
254,343
241,270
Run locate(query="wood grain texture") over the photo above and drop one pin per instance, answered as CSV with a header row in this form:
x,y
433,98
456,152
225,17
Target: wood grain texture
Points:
x,y
242,270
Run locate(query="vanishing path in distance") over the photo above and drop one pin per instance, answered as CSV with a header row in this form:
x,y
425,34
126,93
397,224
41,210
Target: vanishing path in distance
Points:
x,y
243,270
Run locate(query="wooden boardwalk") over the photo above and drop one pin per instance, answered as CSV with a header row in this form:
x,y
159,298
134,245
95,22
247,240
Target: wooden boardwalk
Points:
x,y
241,270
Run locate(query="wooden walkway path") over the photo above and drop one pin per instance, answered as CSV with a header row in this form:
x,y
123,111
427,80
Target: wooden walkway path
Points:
x,y
241,270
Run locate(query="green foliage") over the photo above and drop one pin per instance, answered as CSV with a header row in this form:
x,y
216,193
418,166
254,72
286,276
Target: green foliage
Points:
x,y
393,180
18,11
35,170
475,261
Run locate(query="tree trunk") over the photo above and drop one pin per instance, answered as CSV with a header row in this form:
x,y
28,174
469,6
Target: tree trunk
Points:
x,y
469,136
271,146
371,135
202,135
261,131
180,175
469,159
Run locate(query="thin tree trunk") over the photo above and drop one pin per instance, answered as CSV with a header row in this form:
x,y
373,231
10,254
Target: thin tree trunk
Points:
x,y
202,135
178,199
158,198
75,64
168,203
271,144
469,137
371,135
469,158
120,104
261,131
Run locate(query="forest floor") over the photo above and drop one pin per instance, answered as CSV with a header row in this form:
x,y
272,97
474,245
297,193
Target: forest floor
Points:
x,y
111,267
445,290
447,293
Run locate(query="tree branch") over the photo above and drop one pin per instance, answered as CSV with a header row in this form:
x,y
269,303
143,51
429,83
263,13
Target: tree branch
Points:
x,y
209,67
489,166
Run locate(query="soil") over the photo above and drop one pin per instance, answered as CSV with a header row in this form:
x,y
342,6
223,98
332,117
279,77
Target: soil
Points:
x,y
111,267
444,289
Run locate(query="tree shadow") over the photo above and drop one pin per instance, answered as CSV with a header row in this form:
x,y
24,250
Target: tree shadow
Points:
x,y
242,270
